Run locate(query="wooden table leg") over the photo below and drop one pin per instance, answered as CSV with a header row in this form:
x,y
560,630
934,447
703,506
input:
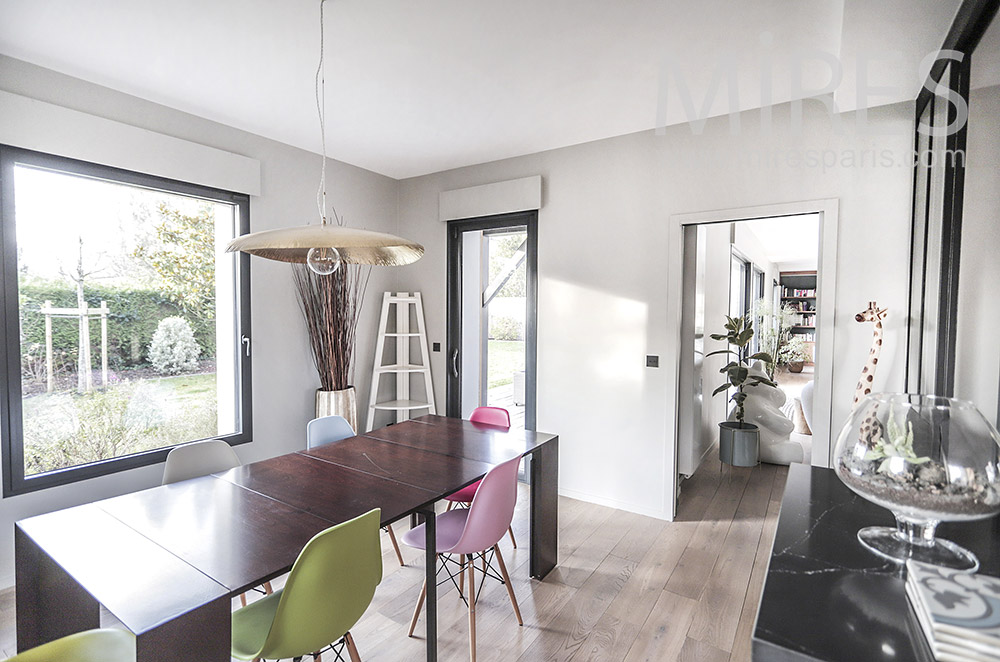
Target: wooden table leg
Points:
x,y
202,635
544,543
430,543
50,603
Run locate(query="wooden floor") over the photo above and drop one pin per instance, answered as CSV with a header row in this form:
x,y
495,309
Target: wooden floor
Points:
x,y
628,588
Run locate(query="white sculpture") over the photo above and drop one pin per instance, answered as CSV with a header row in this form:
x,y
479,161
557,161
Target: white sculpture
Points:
x,y
763,409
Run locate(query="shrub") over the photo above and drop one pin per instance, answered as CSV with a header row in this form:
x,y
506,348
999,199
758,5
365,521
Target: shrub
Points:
x,y
506,328
131,322
174,349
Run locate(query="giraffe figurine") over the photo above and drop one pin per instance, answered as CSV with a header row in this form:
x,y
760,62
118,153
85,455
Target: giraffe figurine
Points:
x,y
871,429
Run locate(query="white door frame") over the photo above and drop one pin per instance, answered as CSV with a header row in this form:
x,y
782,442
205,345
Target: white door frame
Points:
x,y
828,211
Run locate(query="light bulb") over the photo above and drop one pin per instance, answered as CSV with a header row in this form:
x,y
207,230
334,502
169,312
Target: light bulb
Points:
x,y
323,261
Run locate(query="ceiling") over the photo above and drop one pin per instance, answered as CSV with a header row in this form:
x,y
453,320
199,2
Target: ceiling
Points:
x,y
420,87
788,238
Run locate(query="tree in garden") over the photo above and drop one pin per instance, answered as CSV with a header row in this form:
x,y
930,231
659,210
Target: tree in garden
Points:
x,y
183,256
79,276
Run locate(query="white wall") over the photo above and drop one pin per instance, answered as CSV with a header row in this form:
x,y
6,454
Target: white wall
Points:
x,y
284,378
602,277
749,244
977,359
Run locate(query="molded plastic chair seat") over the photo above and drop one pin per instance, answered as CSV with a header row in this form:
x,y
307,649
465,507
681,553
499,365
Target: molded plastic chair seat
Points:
x,y
465,494
329,588
103,645
448,527
199,458
491,416
473,533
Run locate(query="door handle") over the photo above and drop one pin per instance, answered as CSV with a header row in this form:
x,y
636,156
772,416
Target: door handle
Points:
x,y
454,363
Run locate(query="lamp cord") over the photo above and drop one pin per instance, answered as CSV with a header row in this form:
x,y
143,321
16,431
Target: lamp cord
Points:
x,y
320,87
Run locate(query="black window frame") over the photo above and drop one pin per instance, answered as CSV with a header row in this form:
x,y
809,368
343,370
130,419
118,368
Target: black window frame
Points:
x,y
14,481
968,27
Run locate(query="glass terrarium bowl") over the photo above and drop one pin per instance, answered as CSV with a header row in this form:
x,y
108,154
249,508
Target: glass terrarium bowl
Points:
x,y
928,460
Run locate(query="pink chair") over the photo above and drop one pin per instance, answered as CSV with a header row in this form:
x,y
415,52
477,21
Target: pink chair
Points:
x,y
474,532
497,417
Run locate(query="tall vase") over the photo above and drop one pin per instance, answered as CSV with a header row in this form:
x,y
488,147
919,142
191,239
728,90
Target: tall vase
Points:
x,y
342,403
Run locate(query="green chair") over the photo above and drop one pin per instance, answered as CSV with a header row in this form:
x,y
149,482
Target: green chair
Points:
x,y
329,588
107,645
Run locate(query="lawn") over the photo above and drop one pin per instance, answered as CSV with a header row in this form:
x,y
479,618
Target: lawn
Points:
x,y
505,358
68,429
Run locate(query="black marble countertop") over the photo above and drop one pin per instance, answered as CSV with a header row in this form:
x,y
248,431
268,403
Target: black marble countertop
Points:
x,y
828,598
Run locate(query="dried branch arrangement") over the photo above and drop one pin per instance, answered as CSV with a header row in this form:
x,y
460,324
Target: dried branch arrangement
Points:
x,y
331,306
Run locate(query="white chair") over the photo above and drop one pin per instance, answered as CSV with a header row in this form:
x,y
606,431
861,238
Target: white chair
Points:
x,y
201,458
331,429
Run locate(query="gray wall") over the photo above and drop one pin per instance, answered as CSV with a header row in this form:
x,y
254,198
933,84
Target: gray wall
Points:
x,y
977,361
602,276
284,378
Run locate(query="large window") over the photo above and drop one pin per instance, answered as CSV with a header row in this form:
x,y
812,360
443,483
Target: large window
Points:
x,y
126,324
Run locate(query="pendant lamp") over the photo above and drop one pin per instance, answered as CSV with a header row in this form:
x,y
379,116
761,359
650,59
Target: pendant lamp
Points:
x,y
325,246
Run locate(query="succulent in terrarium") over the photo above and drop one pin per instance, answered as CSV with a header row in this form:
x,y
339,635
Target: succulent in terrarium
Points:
x,y
895,447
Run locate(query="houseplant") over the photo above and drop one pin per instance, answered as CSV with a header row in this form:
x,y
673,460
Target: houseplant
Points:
x,y
738,440
774,327
331,306
794,352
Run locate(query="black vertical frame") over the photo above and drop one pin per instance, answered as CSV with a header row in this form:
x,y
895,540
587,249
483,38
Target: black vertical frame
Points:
x,y
528,219
971,21
11,433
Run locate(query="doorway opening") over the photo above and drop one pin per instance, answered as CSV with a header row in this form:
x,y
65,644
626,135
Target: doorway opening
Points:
x,y
766,270
492,289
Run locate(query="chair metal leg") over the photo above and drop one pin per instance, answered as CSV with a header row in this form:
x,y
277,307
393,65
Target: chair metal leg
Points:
x,y
472,607
416,611
352,648
510,587
510,531
395,545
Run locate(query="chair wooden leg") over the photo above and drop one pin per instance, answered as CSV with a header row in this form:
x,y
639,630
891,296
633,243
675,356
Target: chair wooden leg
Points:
x,y
510,587
243,599
472,608
317,657
352,648
510,530
416,611
451,504
395,545
461,574
267,588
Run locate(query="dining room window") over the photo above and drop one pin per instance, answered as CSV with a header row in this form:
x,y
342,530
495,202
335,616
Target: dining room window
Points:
x,y
126,324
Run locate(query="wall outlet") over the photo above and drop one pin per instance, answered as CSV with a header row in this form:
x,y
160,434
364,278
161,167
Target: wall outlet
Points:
x,y
436,347
652,361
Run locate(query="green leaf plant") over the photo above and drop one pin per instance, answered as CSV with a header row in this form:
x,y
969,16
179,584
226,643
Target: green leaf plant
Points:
x,y
739,332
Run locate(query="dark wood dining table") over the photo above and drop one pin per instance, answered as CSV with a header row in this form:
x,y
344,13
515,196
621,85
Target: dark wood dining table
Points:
x,y
166,562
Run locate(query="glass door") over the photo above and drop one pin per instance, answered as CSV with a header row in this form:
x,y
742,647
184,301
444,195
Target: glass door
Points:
x,y
491,316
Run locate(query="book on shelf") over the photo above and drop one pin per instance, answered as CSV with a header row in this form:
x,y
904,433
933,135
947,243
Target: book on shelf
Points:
x,y
792,293
958,612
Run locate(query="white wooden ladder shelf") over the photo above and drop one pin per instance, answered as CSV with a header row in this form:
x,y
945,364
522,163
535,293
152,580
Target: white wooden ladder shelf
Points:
x,y
402,368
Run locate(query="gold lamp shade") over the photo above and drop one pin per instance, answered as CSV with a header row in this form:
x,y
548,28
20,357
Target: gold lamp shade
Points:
x,y
355,246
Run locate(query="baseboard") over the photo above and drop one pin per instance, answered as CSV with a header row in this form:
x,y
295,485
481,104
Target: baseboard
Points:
x,y
614,503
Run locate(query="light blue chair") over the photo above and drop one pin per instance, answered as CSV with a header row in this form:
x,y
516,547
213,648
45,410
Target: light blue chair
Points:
x,y
331,429
327,430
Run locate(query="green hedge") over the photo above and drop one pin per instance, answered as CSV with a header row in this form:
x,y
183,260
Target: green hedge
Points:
x,y
132,320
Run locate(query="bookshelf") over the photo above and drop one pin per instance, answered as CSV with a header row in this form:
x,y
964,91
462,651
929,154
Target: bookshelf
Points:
x,y
798,291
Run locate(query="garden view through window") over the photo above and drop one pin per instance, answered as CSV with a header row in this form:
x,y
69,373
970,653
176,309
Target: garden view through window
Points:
x,y
129,318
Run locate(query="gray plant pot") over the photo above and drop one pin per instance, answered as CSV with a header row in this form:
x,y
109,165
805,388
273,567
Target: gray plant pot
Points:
x,y
739,444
